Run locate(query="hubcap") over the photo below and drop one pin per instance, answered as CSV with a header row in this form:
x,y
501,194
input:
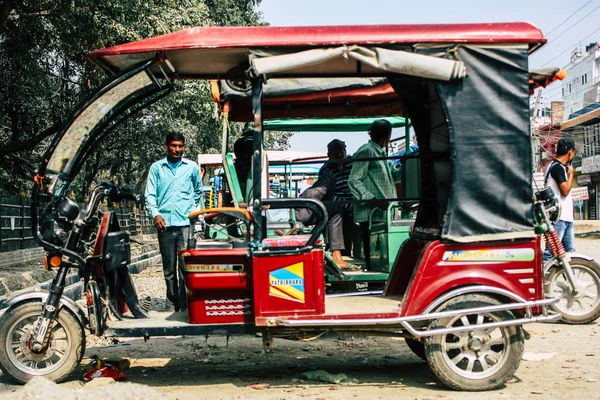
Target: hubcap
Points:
x,y
479,353
475,344
49,359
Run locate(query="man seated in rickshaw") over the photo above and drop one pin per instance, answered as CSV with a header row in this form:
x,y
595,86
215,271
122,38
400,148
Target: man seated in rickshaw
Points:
x,y
340,164
242,149
372,181
322,190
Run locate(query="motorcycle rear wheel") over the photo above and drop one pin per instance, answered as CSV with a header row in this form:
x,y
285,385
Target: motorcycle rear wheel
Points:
x,y
56,361
580,308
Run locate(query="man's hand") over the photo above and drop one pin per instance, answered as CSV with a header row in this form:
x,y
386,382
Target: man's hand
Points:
x,y
570,170
378,203
160,223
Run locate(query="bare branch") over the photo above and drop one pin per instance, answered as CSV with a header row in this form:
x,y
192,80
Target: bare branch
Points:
x,y
17,146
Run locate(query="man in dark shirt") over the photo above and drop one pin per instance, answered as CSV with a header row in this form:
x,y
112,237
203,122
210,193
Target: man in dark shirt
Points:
x,y
323,190
559,176
243,149
340,164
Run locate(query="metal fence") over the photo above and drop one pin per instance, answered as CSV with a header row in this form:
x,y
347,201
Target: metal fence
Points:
x,y
15,221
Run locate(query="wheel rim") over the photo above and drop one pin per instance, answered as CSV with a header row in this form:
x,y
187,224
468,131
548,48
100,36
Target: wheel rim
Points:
x,y
477,353
576,304
44,362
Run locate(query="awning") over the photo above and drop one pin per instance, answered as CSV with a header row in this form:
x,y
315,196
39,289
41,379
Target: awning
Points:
x,y
357,57
211,52
589,118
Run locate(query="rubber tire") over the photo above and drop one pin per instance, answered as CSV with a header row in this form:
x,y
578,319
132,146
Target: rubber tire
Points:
x,y
581,319
69,321
453,380
417,347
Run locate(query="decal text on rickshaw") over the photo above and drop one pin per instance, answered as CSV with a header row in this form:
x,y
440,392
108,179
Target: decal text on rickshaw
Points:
x,y
490,255
288,282
213,268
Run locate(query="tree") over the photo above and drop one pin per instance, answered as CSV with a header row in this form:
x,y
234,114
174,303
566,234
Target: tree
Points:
x,y
43,45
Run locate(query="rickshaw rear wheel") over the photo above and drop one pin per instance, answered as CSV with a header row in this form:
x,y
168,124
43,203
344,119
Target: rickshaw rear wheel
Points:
x,y
417,347
478,359
576,308
56,361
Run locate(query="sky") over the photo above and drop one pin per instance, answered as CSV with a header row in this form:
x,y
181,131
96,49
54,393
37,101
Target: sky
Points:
x,y
565,24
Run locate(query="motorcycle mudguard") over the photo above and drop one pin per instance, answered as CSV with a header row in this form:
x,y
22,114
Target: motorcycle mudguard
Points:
x,y
579,255
553,261
42,295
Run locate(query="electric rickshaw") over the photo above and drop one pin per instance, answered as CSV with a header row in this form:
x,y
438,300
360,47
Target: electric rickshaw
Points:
x,y
461,287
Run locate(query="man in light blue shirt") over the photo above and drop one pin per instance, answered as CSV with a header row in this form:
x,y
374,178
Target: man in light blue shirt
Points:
x,y
173,190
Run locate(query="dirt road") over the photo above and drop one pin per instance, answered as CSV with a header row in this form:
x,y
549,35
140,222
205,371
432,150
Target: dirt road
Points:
x,y
192,368
379,368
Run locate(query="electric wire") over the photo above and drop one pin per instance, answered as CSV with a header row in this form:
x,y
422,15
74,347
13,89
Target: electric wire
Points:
x,y
564,83
569,48
568,18
569,28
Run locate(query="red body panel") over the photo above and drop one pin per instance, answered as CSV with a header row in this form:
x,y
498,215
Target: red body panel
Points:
x,y
219,286
289,284
272,36
511,265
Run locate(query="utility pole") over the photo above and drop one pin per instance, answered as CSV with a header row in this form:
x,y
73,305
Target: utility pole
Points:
x,y
535,144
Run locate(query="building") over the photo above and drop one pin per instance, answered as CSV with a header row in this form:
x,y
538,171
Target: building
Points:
x,y
581,94
581,87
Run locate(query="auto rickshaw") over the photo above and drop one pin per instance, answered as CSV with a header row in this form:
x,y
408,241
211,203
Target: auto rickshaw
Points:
x,y
461,286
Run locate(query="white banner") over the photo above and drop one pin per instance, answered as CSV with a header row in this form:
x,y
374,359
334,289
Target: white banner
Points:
x,y
580,193
584,179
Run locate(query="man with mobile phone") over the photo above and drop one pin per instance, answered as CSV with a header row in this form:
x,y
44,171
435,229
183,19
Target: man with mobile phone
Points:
x,y
559,176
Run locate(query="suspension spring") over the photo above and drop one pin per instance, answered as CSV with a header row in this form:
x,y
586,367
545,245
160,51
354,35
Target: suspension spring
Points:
x,y
556,247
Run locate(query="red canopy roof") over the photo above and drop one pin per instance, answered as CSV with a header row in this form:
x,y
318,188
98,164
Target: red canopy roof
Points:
x,y
242,38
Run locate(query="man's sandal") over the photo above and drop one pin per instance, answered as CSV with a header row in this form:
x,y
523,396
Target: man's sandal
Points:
x,y
352,267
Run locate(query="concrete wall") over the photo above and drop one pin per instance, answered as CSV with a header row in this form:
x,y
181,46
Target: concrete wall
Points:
x,y
25,274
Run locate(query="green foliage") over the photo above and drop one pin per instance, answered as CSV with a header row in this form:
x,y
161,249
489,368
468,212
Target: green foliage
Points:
x,y
43,46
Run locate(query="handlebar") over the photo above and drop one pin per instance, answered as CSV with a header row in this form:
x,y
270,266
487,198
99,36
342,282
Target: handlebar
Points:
x,y
115,193
314,205
118,193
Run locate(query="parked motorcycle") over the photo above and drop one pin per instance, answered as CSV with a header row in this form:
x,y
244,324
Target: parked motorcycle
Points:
x,y
53,346
574,278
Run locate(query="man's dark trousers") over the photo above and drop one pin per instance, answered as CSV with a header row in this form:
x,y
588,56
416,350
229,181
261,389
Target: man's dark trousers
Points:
x,y
171,241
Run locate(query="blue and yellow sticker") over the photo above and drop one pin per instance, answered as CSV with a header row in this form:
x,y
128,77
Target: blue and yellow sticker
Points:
x,y
288,282
491,255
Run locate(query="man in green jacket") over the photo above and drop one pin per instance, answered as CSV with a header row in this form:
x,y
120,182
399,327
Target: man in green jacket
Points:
x,y
372,180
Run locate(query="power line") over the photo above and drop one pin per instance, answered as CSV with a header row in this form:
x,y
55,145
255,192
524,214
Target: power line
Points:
x,y
570,16
557,93
569,28
570,47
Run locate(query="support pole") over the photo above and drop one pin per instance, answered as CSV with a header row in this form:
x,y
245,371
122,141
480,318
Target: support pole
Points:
x,y
257,98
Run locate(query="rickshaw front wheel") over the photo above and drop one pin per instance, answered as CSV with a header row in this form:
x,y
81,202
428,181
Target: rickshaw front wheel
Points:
x,y
57,359
477,359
